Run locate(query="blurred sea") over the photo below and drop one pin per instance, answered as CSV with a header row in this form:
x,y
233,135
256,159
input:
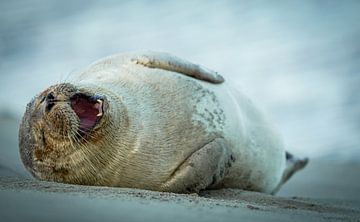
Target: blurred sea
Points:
x,y
298,60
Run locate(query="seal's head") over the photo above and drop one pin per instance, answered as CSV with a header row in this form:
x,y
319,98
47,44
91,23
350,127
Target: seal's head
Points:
x,y
61,129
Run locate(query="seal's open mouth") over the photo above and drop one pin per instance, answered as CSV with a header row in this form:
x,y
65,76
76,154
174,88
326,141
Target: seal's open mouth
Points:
x,y
89,109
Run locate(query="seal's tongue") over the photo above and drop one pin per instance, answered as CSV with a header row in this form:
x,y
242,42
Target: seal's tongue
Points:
x,y
88,110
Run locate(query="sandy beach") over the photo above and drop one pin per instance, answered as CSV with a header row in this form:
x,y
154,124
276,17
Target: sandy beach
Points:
x,y
41,201
325,191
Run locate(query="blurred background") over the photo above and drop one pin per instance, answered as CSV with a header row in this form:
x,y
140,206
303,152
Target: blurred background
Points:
x,y
298,60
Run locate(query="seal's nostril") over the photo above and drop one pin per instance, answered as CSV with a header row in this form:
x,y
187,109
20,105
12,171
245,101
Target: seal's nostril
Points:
x,y
50,96
49,105
50,101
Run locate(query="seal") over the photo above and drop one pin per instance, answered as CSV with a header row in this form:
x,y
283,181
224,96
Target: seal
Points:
x,y
152,121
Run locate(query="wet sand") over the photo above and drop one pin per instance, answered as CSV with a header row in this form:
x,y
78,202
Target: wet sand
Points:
x,y
24,199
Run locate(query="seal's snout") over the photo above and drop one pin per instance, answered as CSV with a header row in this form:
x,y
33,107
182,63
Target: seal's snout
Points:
x,y
52,124
89,110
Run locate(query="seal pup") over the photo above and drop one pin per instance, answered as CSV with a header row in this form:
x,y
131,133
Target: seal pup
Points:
x,y
152,121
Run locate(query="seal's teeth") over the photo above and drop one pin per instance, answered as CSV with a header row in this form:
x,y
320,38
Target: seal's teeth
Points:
x,y
99,107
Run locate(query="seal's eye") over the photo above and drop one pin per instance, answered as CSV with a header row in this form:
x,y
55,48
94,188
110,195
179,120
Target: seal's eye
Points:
x,y
50,101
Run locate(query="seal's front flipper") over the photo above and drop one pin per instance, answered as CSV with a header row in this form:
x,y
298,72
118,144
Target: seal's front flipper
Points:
x,y
293,164
205,168
171,63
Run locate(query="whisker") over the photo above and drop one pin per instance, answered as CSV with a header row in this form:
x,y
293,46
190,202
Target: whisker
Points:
x,y
64,78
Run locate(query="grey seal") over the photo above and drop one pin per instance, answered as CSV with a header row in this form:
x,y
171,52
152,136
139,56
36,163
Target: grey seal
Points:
x,y
152,121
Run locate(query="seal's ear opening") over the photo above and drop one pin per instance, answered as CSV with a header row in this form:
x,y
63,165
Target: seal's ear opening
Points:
x,y
89,110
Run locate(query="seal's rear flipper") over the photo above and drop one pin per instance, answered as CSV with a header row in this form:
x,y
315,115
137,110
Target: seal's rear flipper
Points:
x,y
169,62
293,164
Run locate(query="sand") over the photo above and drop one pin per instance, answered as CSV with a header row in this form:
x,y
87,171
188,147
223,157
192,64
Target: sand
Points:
x,y
325,191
